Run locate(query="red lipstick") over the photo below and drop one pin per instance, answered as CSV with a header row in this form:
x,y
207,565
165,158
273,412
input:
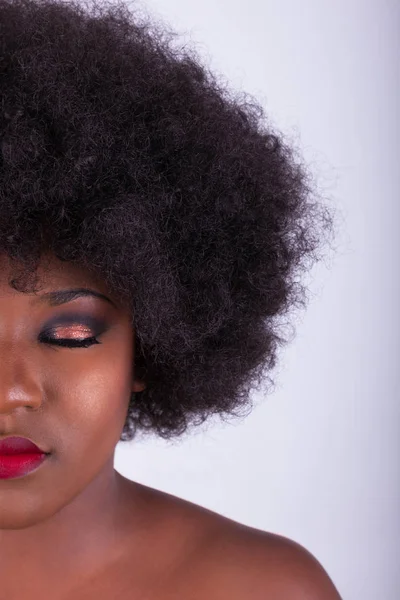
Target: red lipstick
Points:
x,y
19,456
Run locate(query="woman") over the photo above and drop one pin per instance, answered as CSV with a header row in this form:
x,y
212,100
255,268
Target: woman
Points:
x,y
151,227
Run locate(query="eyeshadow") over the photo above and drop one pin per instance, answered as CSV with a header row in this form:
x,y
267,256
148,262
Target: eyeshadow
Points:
x,y
98,325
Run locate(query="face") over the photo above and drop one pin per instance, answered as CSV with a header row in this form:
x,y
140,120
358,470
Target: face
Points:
x,y
71,400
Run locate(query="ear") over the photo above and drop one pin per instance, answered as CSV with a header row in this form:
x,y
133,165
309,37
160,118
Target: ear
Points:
x,y
138,385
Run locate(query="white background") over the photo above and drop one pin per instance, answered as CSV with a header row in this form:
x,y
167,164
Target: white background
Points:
x,y
318,459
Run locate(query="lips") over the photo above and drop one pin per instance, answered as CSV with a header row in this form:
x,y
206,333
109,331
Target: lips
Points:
x,y
18,445
19,456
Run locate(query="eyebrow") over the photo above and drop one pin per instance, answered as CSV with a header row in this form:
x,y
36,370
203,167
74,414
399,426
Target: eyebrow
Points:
x,y
59,297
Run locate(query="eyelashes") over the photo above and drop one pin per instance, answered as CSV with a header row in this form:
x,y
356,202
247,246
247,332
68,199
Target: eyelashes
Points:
x,y
70,342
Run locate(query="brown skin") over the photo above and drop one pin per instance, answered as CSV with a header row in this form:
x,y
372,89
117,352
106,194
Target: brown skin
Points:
x,y
75,526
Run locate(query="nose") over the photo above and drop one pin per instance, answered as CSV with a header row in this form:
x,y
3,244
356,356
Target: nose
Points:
x,y
19,385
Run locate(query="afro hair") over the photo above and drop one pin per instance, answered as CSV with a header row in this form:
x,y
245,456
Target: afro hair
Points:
x,y
127,156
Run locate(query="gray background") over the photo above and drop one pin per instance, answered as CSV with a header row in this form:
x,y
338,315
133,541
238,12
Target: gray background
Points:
x,y
317,460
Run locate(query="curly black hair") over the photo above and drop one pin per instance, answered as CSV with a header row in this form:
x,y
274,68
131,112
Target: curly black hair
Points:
x,y
126,155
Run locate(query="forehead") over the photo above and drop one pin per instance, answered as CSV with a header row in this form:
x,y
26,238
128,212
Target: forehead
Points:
x,y
53,274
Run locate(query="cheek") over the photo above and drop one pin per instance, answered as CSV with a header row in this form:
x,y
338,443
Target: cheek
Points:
x,y
93,392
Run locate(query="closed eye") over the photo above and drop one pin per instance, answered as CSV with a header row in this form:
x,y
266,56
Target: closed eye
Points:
x,y
68,331
70,342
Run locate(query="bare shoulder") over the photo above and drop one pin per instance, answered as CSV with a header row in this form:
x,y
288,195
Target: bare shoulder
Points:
x,y
267,565
223,559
